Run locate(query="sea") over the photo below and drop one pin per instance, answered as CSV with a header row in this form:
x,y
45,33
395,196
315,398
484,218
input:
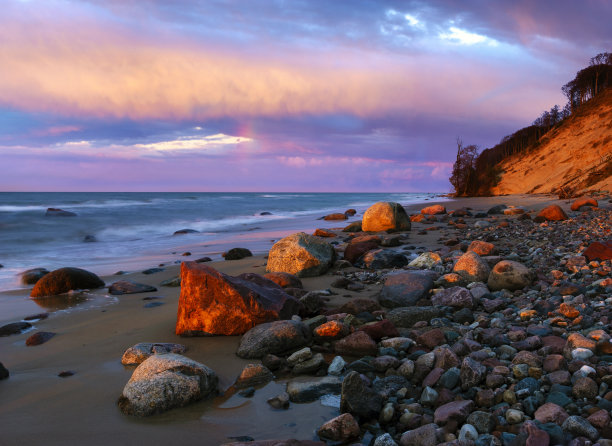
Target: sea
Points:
x,y
133,230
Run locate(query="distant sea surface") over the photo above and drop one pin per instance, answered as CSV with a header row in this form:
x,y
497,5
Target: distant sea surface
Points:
x,y
135,230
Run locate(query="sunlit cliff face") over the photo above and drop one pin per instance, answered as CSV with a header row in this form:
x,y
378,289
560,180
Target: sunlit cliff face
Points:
x,y
294,97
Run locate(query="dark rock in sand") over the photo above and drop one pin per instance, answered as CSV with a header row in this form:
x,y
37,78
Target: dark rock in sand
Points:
x,y
323,233
456,296
385,216
382,259
301,254
172,282
36,317
139,352
185,231
498,209
358,398
54,212
405,288
163,382
214,303
253,375
31,276
14,328
153,304
273,337
65,279
237,254
353,227
39,338
203,260
152,271
350,212
355,250
4,373
129,287
408,316
284,280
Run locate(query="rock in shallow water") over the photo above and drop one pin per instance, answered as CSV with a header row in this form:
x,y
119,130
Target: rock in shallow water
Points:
x,y
63,280
129,287
163,382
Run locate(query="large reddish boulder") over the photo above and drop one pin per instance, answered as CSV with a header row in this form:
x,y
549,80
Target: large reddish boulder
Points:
x,y
599,251
434,210
65,279
551,213
385,216
301,254
583,201
213,303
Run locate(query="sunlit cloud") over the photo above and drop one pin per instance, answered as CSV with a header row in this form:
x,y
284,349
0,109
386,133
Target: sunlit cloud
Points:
x,y
213,143
462,37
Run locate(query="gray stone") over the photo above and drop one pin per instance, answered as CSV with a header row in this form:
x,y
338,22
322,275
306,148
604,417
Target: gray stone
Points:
x,y
509,275
468,433
309,366
336,366
273,337
472,373
141,351
579,427
405,288
484,422
385,440
128,287
301,254
382,258
408,316
358,398
456,297
301,391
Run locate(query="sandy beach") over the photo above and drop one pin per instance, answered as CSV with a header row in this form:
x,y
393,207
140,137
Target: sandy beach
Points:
x,y
38,407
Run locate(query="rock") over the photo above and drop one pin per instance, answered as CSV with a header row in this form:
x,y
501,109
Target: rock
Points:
x,y
335,217
421,436
141,351
341,428
408,316
356,249
358,343
299,356
583,201
359,305
405,288
291,442
514,416
31,276
358,398
308,391
172,282
484,422
39,338
482,248
55,212
4,373
214,303
467,433
323,233
579,427
599,419
585,387
382,259
427,260
330,331
129,287
456,297
384,440
434,210
337,366
599,251
273,337
63,280
380,329
472,267
203,259
551,413
280,401
312,365
14,328
284,280
185,231
509,275
551,213
454,411
498,209
163,382
301,254
385,216
253,375
237,254
472,373
353,227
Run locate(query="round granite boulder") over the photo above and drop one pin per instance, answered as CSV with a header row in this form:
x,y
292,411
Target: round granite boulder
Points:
x,y
65,279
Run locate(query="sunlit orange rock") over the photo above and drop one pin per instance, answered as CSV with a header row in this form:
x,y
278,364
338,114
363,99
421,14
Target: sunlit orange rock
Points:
x,y
568,311
599,251
336,216
213,303
330,331
482,248
434,210
323,233
284,280
385,216
417,218
551,213
583,201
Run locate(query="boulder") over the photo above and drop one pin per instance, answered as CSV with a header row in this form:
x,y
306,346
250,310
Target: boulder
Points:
x,y
355,250
253,375
141,351
14,328
353,227
583,201
65,279
358,398
213,303
273,337
472,267
456,297
163,382
385,216
284,280
55,212
482,248
341,428
301,254
237,254
382,259
405,288
509,275
31,276
599,251
434,210
551,213
129,287
335,217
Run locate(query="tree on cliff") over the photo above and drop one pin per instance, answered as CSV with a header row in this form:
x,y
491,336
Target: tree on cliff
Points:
x,y
464,173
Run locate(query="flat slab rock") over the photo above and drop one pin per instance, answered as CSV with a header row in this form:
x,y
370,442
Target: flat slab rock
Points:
x,y
141,351
129,287
273,337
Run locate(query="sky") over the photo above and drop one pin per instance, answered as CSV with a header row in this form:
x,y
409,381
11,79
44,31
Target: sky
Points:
x,y
275,95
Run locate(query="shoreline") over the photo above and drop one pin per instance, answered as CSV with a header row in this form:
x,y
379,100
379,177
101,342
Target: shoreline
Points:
x,y
36,406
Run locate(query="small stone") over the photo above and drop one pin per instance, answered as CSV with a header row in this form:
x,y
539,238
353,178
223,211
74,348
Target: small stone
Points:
x,y
341,428
280,401
514,416
299,356
39,338
468,433
579,427
585,387
336,366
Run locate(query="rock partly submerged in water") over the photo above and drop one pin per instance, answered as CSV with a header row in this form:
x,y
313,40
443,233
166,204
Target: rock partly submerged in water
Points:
x,y
55,212
14,328
213,303
65,279
129,287
163,382
301,254
31,276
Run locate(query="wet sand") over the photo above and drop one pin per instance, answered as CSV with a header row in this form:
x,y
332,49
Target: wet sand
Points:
x,y
38,407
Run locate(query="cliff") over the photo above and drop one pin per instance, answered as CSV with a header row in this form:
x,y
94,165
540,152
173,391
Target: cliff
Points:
x,y
573,157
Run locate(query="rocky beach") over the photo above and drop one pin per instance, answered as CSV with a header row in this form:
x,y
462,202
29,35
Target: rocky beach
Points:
x,y
474,321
